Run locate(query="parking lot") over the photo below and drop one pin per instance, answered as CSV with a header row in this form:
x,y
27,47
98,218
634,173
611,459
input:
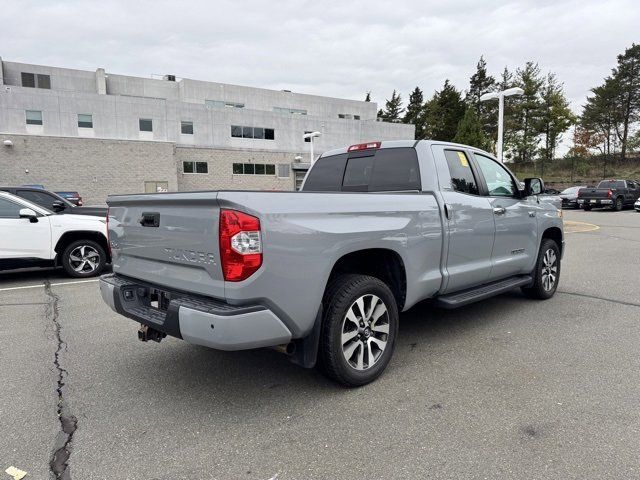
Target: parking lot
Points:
x,y
507,388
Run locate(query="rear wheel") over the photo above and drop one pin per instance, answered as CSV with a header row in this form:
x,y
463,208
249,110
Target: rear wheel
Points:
x,y
547,272
618,205
586,207
359,329
83,258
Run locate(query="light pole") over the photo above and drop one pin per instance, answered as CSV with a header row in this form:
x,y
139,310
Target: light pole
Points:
x,y
311,136
500,96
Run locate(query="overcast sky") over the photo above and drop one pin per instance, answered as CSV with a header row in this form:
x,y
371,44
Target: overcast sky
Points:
x,y
334,48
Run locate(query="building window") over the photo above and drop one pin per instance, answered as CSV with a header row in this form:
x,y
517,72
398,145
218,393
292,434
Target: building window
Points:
x,y
346,116
195,167
34,117
284,170
85,120
186,128
290,111
146,125
33,80
356,117
254,169
221,104
259,133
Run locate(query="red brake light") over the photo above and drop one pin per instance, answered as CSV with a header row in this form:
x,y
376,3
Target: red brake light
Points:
x,y
609,193
363,146
240,245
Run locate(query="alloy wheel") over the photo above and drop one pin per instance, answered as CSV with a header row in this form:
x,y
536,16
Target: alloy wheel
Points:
x,y
549,269
365,332
84,259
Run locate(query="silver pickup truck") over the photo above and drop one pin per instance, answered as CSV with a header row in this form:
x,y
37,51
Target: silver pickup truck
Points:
x,y
323,273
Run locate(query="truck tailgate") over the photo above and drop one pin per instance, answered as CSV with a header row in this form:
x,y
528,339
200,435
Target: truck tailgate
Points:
x,y
594,193
168,239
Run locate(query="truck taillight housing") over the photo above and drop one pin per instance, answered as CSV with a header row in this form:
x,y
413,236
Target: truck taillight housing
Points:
x,y
108,237
240,245
609,193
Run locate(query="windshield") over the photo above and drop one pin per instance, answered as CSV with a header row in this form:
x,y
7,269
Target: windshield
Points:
x,y
611,184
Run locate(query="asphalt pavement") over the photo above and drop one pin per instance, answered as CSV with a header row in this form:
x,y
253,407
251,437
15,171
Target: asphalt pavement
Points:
x,y
508,388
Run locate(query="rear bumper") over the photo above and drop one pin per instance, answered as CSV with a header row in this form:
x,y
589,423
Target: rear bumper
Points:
x,y
197,320
595,202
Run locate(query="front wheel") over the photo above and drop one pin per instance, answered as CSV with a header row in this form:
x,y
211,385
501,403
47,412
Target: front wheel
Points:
x,y
83,258
359,329
547,272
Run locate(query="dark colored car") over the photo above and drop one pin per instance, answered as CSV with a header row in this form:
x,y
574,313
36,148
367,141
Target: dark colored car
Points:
x,y
615,194
54,202
73,197
569,197
551,191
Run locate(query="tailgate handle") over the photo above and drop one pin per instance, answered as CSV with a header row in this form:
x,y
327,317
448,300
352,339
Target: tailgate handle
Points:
x,y
150,219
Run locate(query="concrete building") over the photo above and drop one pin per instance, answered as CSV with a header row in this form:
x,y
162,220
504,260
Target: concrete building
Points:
x,y
102,133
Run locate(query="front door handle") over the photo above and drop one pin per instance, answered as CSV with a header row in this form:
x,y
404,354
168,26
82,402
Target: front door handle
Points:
x,y
499,210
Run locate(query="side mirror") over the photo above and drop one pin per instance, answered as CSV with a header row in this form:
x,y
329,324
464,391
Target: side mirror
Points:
x,y
58,206
533,186
30,214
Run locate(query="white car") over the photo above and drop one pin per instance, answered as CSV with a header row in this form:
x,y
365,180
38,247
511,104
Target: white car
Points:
x,y
637,205
32,235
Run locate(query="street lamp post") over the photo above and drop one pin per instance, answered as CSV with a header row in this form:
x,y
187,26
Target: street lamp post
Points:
x,y
311,136
500,96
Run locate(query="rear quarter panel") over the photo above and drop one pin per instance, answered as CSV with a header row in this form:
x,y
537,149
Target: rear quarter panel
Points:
x,y
305,234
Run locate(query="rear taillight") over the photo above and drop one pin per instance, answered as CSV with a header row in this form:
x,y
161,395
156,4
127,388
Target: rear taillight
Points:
x,y
79,201
609,193
363,146
240,245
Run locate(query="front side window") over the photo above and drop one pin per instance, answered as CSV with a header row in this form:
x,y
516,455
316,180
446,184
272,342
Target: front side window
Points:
x,y
39,198
9,209
85,120
499,181
462,178
34,117
146,125
186,128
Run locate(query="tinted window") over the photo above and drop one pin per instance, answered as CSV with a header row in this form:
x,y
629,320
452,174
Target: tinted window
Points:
x,y
499,182
202,167
186,128
358,174
611,184
39,198
236,131
270,169
462,178
9,209
395,169
326,174
269,134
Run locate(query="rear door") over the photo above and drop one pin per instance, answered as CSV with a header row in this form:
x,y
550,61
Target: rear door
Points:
x,y
169,239
469,220
516,240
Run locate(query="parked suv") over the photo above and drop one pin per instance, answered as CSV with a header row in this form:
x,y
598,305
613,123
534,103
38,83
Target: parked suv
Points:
x,y
53,201
34,236
323,273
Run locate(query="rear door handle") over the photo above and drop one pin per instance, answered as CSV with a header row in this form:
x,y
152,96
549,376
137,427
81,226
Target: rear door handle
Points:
x,y
499,210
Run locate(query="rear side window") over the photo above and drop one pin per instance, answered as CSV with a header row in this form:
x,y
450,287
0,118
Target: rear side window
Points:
x,y
383,170
611,184
326,174
462,178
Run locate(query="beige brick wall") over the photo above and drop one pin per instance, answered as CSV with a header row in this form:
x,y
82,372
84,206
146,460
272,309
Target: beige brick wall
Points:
x,y
94,167
220,165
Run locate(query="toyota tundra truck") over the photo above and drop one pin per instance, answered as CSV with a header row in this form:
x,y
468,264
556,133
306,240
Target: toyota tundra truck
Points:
x,y
322,274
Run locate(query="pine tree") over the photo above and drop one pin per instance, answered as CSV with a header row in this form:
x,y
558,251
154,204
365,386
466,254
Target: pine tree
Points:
x,y
443,113
555,118
393,108
526,112
626,77
487,112
470,131
414,112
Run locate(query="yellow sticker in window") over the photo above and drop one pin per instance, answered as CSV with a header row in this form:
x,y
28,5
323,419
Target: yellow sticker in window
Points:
x,y
463,159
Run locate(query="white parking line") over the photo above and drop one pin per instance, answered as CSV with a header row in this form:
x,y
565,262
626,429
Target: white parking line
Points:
x,y
40,285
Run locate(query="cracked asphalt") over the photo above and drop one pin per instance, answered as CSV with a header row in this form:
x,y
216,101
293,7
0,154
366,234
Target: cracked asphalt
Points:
x,y
506,388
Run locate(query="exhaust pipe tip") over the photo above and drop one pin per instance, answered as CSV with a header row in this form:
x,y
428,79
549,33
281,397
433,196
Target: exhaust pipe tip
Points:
x,y
286,349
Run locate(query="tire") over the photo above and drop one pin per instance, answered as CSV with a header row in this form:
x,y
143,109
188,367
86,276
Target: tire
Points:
x,y
369,346
587,208
79,259
618,205
542,289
